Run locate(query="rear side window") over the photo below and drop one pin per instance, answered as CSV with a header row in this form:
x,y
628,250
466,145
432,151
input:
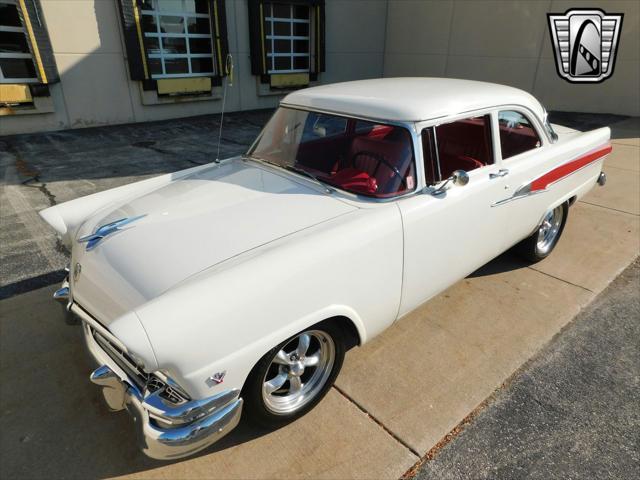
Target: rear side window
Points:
x,y
517,134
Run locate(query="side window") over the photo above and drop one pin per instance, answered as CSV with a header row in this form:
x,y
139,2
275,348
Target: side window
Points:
x,y
517,134
464,145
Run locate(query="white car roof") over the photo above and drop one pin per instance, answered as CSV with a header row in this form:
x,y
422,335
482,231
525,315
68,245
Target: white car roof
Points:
x,y
409,98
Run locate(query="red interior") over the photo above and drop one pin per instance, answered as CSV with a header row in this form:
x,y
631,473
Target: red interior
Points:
x,y
464,145
516,140
362,159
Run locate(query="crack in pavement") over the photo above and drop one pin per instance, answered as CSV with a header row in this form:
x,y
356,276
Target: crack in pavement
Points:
x,y
375,420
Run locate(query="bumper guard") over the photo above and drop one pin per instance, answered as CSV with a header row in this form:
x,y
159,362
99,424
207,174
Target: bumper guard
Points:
x,y
165,431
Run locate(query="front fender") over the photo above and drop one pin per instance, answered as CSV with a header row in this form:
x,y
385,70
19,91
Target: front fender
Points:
x,y
226,318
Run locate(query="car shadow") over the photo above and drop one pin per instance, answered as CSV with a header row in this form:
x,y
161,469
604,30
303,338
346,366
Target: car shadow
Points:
x,y
506,262
54,422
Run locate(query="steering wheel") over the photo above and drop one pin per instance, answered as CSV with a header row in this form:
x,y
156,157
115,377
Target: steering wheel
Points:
x,y
381,160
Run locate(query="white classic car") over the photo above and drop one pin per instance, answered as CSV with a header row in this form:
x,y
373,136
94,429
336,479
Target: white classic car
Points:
x,y
239,285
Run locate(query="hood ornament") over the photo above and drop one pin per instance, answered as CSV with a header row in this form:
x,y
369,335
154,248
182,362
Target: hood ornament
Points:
x,y
94,239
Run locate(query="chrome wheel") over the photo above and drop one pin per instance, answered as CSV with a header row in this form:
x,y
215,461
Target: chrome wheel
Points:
x,y
298,372
548,232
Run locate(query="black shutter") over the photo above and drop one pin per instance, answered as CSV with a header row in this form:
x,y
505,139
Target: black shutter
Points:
x,y
219,21
320,40
256,39
135,55
33,14
256,36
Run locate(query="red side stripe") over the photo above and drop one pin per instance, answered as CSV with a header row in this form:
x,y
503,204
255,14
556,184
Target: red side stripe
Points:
x,y
563,170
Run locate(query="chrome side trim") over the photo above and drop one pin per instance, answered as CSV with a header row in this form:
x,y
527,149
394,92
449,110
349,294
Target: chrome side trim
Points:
x,y
525,189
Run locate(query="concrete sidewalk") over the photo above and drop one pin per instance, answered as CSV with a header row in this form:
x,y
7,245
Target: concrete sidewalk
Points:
x,y
396,398
573,411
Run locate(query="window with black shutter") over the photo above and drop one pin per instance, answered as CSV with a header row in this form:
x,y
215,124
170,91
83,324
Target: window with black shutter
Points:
x,y
169,40
26,59
287,41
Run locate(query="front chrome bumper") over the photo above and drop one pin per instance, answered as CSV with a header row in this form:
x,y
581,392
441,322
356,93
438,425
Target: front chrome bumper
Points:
x,y
177,441
165,430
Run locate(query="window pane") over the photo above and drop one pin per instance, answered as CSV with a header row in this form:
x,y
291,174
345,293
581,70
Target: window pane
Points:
x,y
174,45
9,15
267,28
176,5
281,11
202,65
517,134
198,25
282,46
301,46
153,44
319,125
17,68
200,45
301,12
301,29
380,165
147,5
282,63
13,42
176,65
149,24
301,63
281,28
171,24
464,145
155,67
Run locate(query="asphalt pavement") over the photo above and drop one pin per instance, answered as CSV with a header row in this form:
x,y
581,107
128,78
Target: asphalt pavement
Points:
x,y
572,411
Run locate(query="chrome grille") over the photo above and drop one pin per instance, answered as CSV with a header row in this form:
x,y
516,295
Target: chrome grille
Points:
x,y
123,360
146,383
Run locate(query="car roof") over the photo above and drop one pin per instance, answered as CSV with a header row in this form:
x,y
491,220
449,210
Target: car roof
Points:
x,y
409,98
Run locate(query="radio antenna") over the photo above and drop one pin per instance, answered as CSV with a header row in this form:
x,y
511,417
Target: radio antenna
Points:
x,y
228,67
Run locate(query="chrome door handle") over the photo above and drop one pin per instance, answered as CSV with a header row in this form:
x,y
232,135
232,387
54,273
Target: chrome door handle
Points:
x,y
503,172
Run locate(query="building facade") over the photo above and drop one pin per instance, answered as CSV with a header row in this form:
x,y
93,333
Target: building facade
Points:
x,y
80,63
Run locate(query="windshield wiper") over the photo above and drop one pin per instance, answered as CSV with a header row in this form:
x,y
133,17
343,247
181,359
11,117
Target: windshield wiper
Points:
x,y
308,175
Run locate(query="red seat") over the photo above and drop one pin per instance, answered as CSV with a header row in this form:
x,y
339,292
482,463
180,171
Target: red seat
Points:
x,y
464,145
395,153
355,180
452,163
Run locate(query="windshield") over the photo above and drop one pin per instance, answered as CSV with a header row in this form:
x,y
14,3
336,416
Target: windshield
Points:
x,y
358,156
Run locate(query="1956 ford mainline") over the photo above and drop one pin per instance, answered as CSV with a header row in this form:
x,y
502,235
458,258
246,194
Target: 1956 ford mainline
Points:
x,y
237,286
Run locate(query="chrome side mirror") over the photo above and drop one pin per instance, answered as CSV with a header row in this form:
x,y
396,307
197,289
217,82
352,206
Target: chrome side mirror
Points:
x,y
458,177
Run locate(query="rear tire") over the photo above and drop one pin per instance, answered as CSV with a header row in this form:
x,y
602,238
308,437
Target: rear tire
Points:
x,y
290,379
542,242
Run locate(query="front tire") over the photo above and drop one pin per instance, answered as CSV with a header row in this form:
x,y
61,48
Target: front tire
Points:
x,y
542,242
294,376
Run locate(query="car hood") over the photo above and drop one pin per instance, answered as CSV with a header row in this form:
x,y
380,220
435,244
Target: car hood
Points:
x,y
187,226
